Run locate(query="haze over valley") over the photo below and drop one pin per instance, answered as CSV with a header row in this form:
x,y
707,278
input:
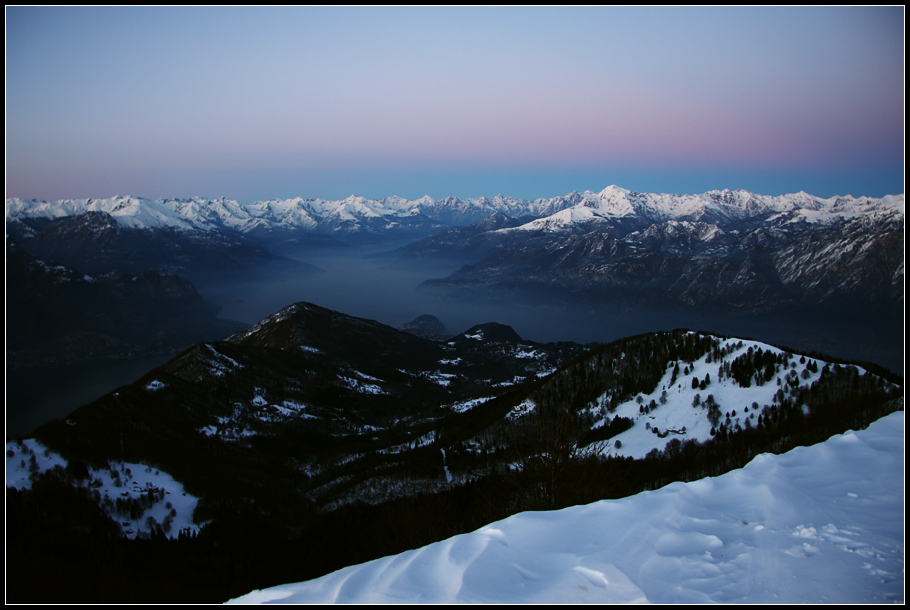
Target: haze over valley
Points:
x,y
585,267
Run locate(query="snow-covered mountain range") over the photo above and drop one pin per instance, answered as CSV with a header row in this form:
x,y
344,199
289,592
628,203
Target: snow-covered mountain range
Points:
x,y
397,213
298,214
715,207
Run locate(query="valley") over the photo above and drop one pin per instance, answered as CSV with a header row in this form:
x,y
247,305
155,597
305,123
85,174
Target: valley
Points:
x,y
358,282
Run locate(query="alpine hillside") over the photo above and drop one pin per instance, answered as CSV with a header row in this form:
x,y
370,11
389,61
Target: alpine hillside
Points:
x,y
317,430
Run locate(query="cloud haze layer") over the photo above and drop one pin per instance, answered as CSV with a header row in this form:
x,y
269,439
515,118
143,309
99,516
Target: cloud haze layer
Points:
x,y
531,102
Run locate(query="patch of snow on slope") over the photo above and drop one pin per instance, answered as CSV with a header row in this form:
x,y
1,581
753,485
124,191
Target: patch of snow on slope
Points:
x,y
521,409
524,351
155,385
359,386
467,405
820,524
678,412
163,501
27,458
440,378
221,364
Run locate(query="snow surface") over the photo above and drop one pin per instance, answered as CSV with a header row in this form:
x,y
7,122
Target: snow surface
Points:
x,y
820,524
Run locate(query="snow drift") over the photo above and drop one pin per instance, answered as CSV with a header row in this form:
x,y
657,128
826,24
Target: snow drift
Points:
x,y
820,524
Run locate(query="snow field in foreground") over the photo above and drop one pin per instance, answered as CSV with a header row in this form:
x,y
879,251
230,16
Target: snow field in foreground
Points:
x,y
820,524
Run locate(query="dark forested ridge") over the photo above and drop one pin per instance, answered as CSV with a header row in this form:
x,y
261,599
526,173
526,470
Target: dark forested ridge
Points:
x,y
316,440
58,316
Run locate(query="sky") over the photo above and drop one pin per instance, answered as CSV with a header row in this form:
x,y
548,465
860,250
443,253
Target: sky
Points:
x,y
257,103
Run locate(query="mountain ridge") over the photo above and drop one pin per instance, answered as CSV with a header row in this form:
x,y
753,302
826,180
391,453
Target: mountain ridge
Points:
x,y
764,263
361,214
109,316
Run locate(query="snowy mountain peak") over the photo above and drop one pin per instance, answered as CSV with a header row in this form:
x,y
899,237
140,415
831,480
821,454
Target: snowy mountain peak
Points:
x,y
614,201
614,190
